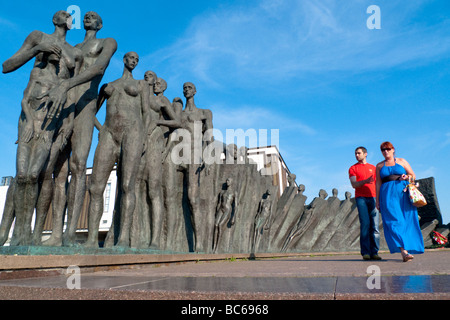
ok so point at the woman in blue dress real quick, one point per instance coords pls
(400, 218)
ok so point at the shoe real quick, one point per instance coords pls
(407, 257)
(366, 257)
(376, 257)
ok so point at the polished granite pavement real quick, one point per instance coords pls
(315, 277)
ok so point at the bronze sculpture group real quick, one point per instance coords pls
(55, 135)
(162, 204)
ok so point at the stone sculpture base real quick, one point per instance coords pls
(31, 262)
(77, 250)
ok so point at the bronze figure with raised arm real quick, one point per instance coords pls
(55, 61)
(97, 54)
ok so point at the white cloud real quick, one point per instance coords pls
(284, 39)
(7, 23)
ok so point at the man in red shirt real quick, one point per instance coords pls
(362, 177)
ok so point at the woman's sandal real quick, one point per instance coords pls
(407, 257)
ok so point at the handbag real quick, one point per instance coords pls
(438, 238)
(416, 197)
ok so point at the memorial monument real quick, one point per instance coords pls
(180, 190)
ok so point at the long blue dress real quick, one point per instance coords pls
(400, 218)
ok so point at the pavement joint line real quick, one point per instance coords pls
(138, 283)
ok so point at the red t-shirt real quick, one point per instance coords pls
(361, 172)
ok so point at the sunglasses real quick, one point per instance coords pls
(386, 149)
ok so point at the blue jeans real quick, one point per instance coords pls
(369, 220)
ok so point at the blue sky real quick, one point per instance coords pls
(310, 68)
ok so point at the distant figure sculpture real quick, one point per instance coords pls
(314, 209)
(323, 194)
(243, 155)
(121, 137)
(262, 219)
(291, 179)
(159, 87)
(56, 60)
(225, 211)
(170, 115)
(301, 189)
(150, 169)
(335, 192)
(170, 120)
(96, 57)
(348, 195)
(191, 117)
(231, 154)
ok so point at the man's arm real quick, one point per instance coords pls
(358, 184)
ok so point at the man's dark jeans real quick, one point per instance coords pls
(369, 219)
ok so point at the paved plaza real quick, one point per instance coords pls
(332, 276)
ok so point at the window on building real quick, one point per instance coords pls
(107, 196)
